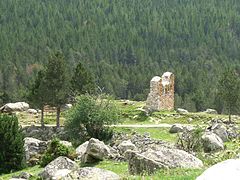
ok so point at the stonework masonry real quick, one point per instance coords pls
(161, 96)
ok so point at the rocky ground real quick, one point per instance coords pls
(160, 145)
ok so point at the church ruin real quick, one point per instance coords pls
(161, 96)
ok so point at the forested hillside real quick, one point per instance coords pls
(124, 43)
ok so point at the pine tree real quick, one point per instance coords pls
(12, 154)
(229, 89)
(37, 94)
(57, 83)
(82, 81)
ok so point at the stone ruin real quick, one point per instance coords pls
(161, 96)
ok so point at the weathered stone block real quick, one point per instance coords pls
(161, 96)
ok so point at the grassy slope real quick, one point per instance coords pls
(121, 168)
(131, 115)
(156, 133)
(32, 170)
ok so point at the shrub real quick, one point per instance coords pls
(89, 118)
(190, 140)
(55, 150)
(12, 154)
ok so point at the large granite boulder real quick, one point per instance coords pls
(126, 145)
(96, 150)
(140, 164)
(176, 128)
(81, 149)
(226, 170)
(211, 142)
(152, 160)
(221, 131)
(33, 149)
(13, 107)
(93, 173)
(58, 169)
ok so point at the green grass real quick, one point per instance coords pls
(130, 114)
(32, 170)
(121, 168)
(156, 133)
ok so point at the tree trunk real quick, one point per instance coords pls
(58, 116)
(42, 116)
(229, 115)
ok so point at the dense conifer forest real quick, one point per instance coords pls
(124, 43)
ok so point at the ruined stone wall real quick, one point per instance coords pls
(167, 91)
(161, 96)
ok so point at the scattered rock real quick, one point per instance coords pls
(93, 173)
(163, 157)
(58, 168)
(66, 106)
(81, 149)
(13, 107)
(176, 128)
(127, 102)
(96, 150)
(32, 111)
(126, 145)
(190, 120)
(23, 175)
(34, 147)
(182, 111)
(211, 111)
(143, 111)
(45, 133)
(140, 164)
(211, 142)
(221, 131)
(233, 131)
(142, 142)
(226, 170)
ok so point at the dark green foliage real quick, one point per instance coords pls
(56, 82)
(229, 90)
(124, 43)
(82, 81)
(55, 79)
(55, 150)
(190, 140)
(37, 93)
(12, 154)
(37, 90)
(89, 117)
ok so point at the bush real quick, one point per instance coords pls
(55, 150)
(190, 140)
(89, 117)
(12, 154)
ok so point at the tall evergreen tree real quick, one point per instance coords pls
(12, 155)
(82, 81)
(56, 82)
(37, 94)
(229, 90)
